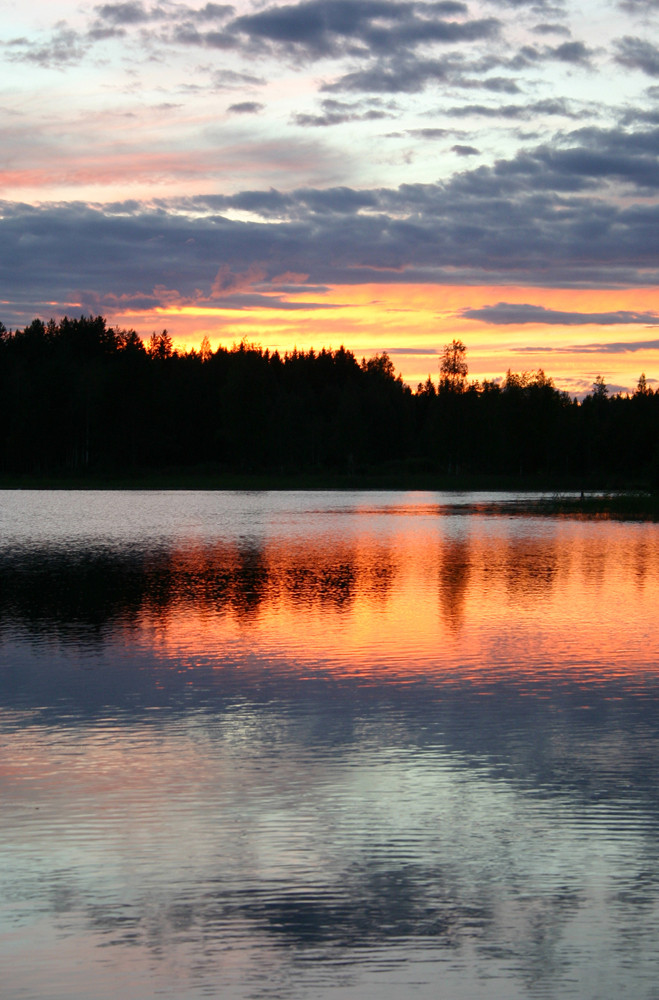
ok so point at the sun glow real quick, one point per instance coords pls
(413, 322)
(426, 603)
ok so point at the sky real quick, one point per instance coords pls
(383, 174)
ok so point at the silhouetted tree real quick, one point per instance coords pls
(453, 367)
(81, 395)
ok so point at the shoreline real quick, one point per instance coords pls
(202, 478)
(178, 479)
(565, 496)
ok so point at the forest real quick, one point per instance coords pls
(81, 397)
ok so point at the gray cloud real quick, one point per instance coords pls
(616, 348)
(543, 217)
(584, 159)
(636, 53)
(308, 30)
(508, 313)
(522, 112)
(246, 108)
(553, 8)
(551, 29)
(213, 12)
(228, 79)
(568, 52)
(639, 7)
(403, 73)
(65, 46)
(430, 133)
(125, 13)
(317, 28)
(335, 112)
(465, 150)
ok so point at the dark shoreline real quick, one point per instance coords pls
(564, 496)
(191, 479)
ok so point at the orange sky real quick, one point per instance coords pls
(373, 318)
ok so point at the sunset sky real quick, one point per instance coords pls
(382, 174)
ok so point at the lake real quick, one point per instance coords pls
(329, 745)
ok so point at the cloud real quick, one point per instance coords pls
(63, 47)
(465, 150)
(575, 52)
(639, 7)
(521, 112)
(430, 133)
(585, 158)
(637, 53)
(542, 217)
(551, 29)
(417, 352)
(246, 108)
(229, 79)
(507, 313)
(213, 12)
(403, 73)
(331, 28)
(628, 347)
(338, 112)
(123, 13)
(619, 348)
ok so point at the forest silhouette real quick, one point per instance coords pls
(82, 397)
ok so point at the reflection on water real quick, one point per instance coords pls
(323, 745)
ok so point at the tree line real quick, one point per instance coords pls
(81, 396)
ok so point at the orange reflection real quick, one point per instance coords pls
(419, 603)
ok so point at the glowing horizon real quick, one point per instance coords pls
(306, 174)
(372, 319)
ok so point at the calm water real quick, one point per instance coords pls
(326, 745)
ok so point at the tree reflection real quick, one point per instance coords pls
(454, 575)
(80, 595)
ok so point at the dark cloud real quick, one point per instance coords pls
(636, 53)
(65, 46)
(636, 116)
(545, 9)
(497, 84)
(405, 74)
(585, 159)
(246, 108)
(398, 76)
(542, 217)
(228, 79)
(321, 28)
(136, 13)
(412, 352)
(338, 112)
(213, 12)
(303, 31)
(189, 34)
(551, 29)
(568, 52)
(465, 150)
(616, 348)
(640, 7)
(430, 133)
(124, 13)
(619, 348)
(522, 112)
(571, 52)
(507, 313)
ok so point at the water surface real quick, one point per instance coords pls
(333, 745)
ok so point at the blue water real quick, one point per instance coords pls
(326, 745)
